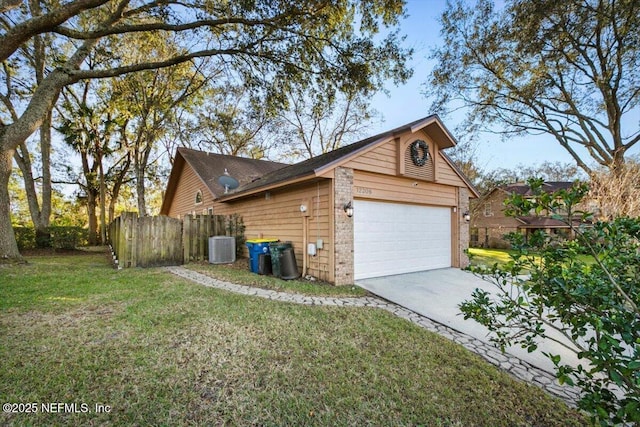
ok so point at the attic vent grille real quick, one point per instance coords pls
(222, 250)
(422, 172)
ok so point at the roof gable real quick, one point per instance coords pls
(432, 125)
(210, 166)
(547, 187)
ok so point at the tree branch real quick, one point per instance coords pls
(16, 36)
(161, 26)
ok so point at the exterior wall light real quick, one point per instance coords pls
(466, 216)
(348, 209)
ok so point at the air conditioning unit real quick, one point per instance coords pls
(222, 250)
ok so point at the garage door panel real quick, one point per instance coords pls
(392, 238)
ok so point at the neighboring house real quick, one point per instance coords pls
(406, 198)
(489, 224)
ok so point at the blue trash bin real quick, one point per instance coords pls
(257, 247)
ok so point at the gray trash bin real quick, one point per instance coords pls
(276, 249)
(264, 264)
(289, 267)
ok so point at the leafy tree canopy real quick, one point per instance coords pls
(270, 46)
(567, 68)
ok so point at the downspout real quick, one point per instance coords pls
(305, 227)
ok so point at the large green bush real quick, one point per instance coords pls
(60, 237)
(25, 237)
(593, 301)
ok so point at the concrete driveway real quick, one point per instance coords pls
(436, 294)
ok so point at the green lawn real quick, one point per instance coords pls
(488, 257)
(240, 273)
(159, 350)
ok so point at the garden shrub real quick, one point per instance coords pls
(593, 301)
(59, 237)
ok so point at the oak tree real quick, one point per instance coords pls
(567, 69)
(270, 46)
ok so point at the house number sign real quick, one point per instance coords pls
(363, 190)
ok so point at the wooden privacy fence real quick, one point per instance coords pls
(160, 240)
(197, 230)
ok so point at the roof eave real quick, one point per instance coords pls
(444, 138)
(261, 189)
(539, 226)
(433, 119)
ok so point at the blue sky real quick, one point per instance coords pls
(406, 103)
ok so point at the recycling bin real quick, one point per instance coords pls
(257, 247)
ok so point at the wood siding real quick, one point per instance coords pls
(393, 158)
(445, 173)
(426, 172)
(405, 190)
(185, 196)
(381, 160)
(278, 216)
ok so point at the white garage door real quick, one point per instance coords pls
(392, 238)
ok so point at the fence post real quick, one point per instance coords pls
(186, 238)
(130, 220)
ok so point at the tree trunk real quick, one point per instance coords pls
(8, 244)
(111, 211)
(103, 204)
(23, 159)
(45, 148)
(139, 165)
(142, 205)
(40, 213)
(619, 163)
(117, 185)
(11, 137)
(43, 214)
(93, 219)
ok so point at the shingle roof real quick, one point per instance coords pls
(548, 187)
(210, 167)
(255, 174)
(310, 166)
(541, 222)
(546, 222)
(305, 167)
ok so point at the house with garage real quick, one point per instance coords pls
(389, 204)
(489, 223)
